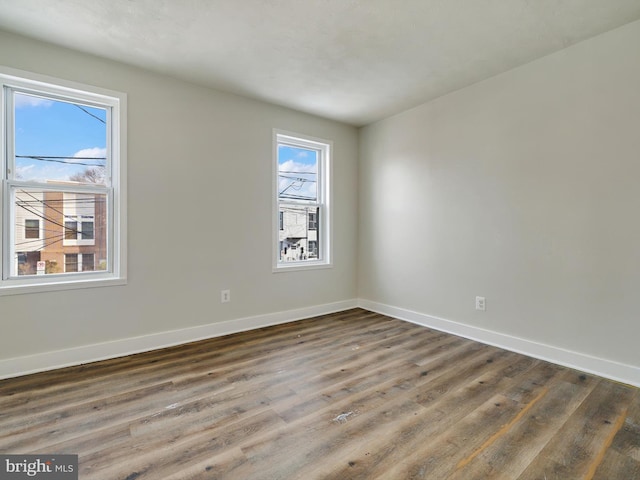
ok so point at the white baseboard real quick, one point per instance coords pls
(599, 366)
(17, 366)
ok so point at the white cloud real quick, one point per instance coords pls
(43, 173)
(23, 171)
(22, 100)
(95, 152)
(293, 166)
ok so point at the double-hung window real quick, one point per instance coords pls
(302, 202)
(62, 194)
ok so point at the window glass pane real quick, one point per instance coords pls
(297, 173)
(59, 141)
(72, 223)
(297, 241)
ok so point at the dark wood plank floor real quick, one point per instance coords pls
(353, 395)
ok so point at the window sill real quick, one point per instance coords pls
(297, 266)
(31, 287)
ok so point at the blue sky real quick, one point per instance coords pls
(45, 127)
(298, 171)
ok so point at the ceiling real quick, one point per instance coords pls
(355, 61)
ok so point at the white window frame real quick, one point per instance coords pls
(324, 202)
(115, 188)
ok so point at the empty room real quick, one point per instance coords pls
(320, 239)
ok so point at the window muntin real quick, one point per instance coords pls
(301, 202)
(62, 166)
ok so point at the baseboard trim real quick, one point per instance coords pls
(25, 365)
(612, 370)
(17, 366)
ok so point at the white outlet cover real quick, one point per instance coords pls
(225, 296)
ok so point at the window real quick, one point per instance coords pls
(79, 262)
(70, 230)
(313, 249)
(86, 230)
(88, 262)
(32, 229)
(70, 262)
(62, 184)
(313, 221)
(301, 202)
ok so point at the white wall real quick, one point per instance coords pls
(524, 189)
(199, 164)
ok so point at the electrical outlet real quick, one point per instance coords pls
(225, 296)
(481, 303)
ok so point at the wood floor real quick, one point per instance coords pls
(354, 395)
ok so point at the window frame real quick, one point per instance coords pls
(323, 202)
(115, 189)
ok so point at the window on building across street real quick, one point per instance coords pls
(62, 190)
(313, 221)
(86, 231)
(31, 228)
(87, 262)
(70, 262)
(301, 202)
(70, 230)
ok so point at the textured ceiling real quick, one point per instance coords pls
(355, 61)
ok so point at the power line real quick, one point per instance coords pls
(89, 113)
(42, 202)
(37, 214)
(44, 158)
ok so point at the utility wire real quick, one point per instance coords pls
(63, 160)
(89, 113)
(44, 203)
(37, 214)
